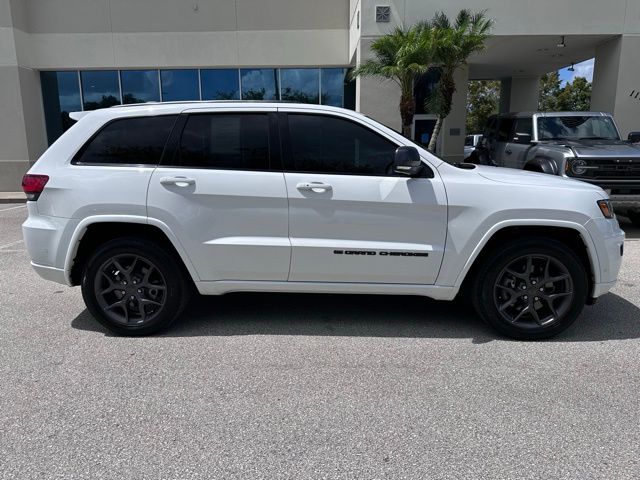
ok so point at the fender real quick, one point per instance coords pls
(81, 228)
(581, 229)
(542, 164)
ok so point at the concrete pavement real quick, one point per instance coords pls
(304, 386)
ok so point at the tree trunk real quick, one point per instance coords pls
(407, 111)
(434, 135)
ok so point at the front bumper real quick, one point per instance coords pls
(608, 239)
(623, 202)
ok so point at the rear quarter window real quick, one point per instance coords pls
(127, 141)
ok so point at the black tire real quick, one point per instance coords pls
(138, 270)
(500, 296)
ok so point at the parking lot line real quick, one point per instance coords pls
(12, 208)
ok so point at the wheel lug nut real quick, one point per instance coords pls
(139, 290)
(542, 289)
(536, 299)
(132, 297)
(526, 297)
(533, 283)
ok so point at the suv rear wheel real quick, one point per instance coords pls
(133, 287)
(531, 290)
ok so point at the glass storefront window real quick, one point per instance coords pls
(139, 86)
(179, 85)
(68, 91)
(100, 89)
(259, 83)
(332, 81)
(220, 84)
(300, 85)
(60, 96)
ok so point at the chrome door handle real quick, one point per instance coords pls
(318, 187)
(178, 181)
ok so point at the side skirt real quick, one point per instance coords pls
(431, 291)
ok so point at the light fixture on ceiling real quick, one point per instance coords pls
(562, 44)
(571, 68)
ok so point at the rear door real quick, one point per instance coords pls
(501, 150)
(516, 153)
(350, 218)
(221, 190)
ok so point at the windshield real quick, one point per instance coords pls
(576, 128)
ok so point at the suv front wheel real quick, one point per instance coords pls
(134, 287)
(532, 289)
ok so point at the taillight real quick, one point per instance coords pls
(32, 185)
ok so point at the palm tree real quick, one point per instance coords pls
(401, 56)
(453, 45)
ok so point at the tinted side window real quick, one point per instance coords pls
(505, 128)
(238, 141)
(524, 126)
(325, 144)
(137, 141)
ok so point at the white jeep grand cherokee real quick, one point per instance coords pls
(139, 204)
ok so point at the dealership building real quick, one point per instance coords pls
(60, 56)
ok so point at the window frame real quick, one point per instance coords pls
(75, 160)
(287, 156)
(170, 156)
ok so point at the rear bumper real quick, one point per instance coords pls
(47, 240)
(52, 274)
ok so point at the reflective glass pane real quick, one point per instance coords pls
(139, 86)
(259, 84)
(179, 85)
(60, 95)
(300, 85)
(324, 144)
(133, 141)
(220, 84)
(100, 89)
(226, 141)
(332, 81)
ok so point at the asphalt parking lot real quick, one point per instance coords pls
(302, 386)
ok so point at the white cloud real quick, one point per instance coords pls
(582, 69)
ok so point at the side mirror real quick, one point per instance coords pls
(523, 138)
(634, 137)
(407, 161)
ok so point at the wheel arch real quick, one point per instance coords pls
(574, 236)
(542, 165)
(94, 231)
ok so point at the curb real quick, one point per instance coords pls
(12, 197)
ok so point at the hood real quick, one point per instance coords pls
(522, 177)
(600, 148)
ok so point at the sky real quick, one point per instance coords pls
(583, 69)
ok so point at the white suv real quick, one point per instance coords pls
(139, 204)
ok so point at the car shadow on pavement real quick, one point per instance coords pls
(612, 318)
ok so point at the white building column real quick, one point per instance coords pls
(616, 81)
(22, 130)
(519, 94)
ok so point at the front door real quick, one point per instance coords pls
(350, 218)
(221, 197)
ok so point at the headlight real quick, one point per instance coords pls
(579, 167)
(606, 208)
